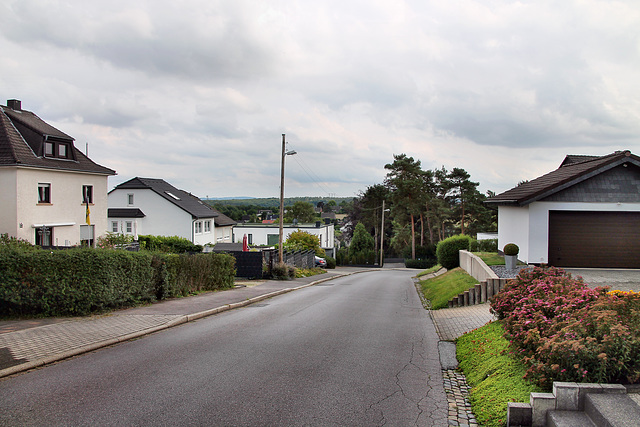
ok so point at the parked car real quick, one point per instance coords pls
(321, 262)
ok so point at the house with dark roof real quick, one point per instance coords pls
(51, 194)
(155, 207)
(586, 213)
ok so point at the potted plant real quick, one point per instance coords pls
(511, 251)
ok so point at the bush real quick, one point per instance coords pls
(422, 264)
(331, 262)
(172, 244)
(283, 272)
(511, 249)
(82, 281)
(568, 332)
(486, 245)
(447, 250)
(422, 252)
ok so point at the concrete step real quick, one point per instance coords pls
(612, 410)
(569, 419)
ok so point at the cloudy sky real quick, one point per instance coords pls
(199, 92)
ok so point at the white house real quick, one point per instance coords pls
(153, 206)
(51, 194)
(586, 213)
(268, 234)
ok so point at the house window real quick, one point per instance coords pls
(130, 199)
(114, 226)
(207, 226)
(44, 193)
(44, 236)
(129, 226)
(63, 150)
(198, 227)
(48, 149)
(87, 194)
(250, 239)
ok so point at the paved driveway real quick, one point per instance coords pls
(623, 280)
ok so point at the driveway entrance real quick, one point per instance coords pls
(616, 279)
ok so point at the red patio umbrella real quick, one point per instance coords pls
(245, 245)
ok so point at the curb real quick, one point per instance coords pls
(175, 322)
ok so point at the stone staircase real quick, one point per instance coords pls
(579, 405)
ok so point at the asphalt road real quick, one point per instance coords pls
(359, 350)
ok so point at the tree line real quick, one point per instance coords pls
(424, 207)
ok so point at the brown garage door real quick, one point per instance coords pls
(594, 239)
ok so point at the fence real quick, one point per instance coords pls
(479, 294)
(300, 259)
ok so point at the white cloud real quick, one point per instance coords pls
(199, 92)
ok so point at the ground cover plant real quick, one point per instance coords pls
(429, 270)
(440, 289)
(494, 372)
(565, 331)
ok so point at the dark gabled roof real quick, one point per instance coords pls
(222, 220)
(185, 201)
(574, 169)
(22, 134)
(125, 213)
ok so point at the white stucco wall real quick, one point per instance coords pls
(8, 202)
(513, 227)
(66, 205)
(223, 234)
(163, 218)
(528, 226)
(259, 233)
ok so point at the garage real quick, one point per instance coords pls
(594, 239)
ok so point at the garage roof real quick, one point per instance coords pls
(574, 169)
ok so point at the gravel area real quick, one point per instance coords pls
(503, 273)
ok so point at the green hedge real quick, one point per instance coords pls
(172, 244)
(447, 250)
(79, 281)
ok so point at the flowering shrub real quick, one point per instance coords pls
(566, 331)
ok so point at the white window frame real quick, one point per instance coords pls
(197, 227)
(207, 226)
(130, 199)
(44, 192)
(114, 226)
(128, 226)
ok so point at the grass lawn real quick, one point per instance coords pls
(439, 290)
(430, 270)
(490, 258)
(493, 372)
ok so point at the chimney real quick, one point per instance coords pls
(14, 104)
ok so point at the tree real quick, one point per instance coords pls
(404, 181)
(362, 244)
(301, 240)
(302, 211)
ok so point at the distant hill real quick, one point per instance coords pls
(273, 202)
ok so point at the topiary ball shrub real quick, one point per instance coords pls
(447, 250)
(511, 249)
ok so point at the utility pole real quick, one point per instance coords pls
(280, 255)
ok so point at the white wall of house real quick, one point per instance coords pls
(513, 227)
(258, 233)
(66, 212)
(528, 226)
(163, 218)
(223, 234)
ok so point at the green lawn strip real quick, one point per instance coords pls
(490, 258)
(439, 290)
(494, 374)
(429, 271)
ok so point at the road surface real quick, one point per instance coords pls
(358, 350)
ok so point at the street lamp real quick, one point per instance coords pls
(382, 235)
(284, 153)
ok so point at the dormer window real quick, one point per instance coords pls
(57, 149)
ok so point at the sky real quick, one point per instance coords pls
(199, 92)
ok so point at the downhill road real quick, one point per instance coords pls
(358, 350)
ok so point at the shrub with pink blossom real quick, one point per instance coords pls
(566, 331)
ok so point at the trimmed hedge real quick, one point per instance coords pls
(82, 281)
(172, 244)
(447, 250)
